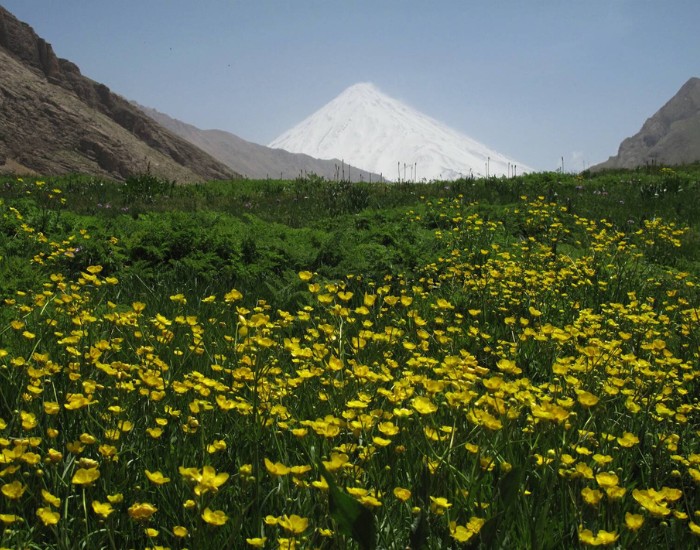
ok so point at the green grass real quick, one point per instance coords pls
(502, 363)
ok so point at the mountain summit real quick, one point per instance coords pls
(670, 136)
(369, 129)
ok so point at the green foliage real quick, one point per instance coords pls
(146, 188)
(420, 338)
(353, 519)
(254, 234)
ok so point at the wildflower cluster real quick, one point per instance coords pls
(551, 370)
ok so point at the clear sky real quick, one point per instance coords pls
(537, 80)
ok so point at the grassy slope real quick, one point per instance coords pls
(532, 329)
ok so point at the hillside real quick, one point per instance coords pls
(257, 161)
(54, 120)
(671, 136)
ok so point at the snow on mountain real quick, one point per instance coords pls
(368, 129)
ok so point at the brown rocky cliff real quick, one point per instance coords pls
(36, 55)
(671, 136)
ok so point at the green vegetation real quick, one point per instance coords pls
(500, 363)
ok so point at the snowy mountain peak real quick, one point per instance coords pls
(366, 128)
(361, 88)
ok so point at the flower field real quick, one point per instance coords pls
(527, 388)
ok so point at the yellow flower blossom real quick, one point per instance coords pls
(210, 480)
(157, 478)
(627, 440)
(102, 509)
(214, 517)
(85, 476)
(591, 496)
(602, 538)
(141, 511)
(276, 468)
(652, 501)
(8, 519)
(48, 516)
(464, 533)
(48, 498)
(438, 505)
(232, 296)
(587, 399)
(607, 479)
(633, 521)
(294, 524)
(424, 405)
(13, 490)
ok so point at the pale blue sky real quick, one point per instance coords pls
(536, 80)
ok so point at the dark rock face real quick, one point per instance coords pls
(53, 119)
(671, 136)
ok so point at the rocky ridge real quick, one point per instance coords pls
(258, 161)
(670, 137)
(54, 120)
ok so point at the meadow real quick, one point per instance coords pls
(495, 363)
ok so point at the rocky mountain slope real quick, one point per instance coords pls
(369, 129)
(54, 120)
(671, 136)
(257, 161)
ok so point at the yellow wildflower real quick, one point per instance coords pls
(217, 517)
(587, 399)
(209, 480)
(157, 478)
(602, 538)
(276, 468)
(85, 476)
(438, 505)
(50, 499)
(232, 295)
(627, 440)
(633, 521)
(13, 490)
(463, 533)
(48, 516)
(591, 496)
(9, 519)
(102, 509)
(424, 405)
(607, 479)
(294, 524)
(141, 511)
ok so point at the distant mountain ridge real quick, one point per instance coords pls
(54, 120)
(671, 136)
(256, 161)
(367, 128)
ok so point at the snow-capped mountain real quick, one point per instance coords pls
(368, 129)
